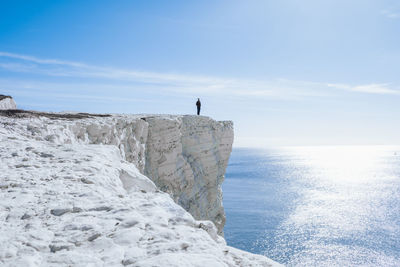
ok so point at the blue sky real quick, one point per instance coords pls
(290, 72)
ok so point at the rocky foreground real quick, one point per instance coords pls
(73, 191)
(7, 102)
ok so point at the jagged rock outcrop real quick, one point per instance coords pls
(7, 102)
(185, 156)
(66, 201)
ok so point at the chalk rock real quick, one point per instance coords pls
(120, 217)
(7, 102)
(185, 156)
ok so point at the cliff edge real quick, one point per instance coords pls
(185, 156)
(73, 190)
(7, 102)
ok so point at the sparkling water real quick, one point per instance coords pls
(316, 206)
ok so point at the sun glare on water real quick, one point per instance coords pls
(346, 208)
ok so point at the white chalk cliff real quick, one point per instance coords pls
(187, 156)
(75, 190)
(7, 102)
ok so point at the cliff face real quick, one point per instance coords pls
(185, 156)
(70, 195)
(7, 102)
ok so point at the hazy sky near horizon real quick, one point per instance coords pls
(290, 72)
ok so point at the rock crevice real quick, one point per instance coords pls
(185, 156)
(7, 102)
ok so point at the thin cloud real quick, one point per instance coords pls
(375, 89)
(382, 89)
(391, 13)
(46, 66)
(123, 79)
(41, 61)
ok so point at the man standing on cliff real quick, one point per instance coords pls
(198, 104)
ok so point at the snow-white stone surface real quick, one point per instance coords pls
(68, 199)
(185, 156)
(7, 103)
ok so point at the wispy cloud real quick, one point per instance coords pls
(110, 78)
(42, 61)
(382, 89)
(57, 67)
(392, 13)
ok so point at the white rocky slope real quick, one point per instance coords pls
(66, 201)
(6, 102)
(185, 156)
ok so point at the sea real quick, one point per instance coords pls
(315, 206)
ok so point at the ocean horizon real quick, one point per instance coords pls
(315, 206)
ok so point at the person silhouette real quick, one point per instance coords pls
(198, 104)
